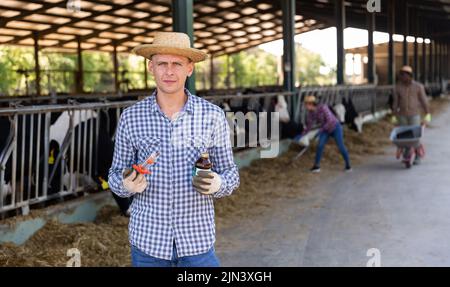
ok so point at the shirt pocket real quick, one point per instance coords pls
(193, 150)
(147, 146)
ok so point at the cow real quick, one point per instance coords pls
(288, 127)
(351, 113)
(97, 159)
(108, 125)
(340, 112)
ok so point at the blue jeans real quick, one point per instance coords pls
(141, 259)
(338, 135)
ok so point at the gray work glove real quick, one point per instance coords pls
(133, 181)
(207, 182)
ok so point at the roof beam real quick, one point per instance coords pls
(73, 21)
(24, 13)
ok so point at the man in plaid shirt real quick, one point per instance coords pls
(172, 215)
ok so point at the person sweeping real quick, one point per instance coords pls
(321, 116)
(159, 139)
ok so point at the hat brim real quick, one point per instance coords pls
(407, 72)
(148, 50)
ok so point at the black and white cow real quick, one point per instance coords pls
(98, 159)
(351, 113)
(58, 163)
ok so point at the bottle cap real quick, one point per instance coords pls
(205, 154)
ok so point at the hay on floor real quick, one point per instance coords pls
(105, 241)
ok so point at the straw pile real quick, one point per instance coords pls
(105, 241)
(269, 179)
(101, 243)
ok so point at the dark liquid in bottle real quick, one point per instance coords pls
(203, 163)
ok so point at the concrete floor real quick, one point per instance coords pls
(405, 214)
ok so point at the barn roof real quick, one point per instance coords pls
(221, 27)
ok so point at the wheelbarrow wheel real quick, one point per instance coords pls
(409, 159)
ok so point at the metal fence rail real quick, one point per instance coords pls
(25, 176)
(30, 173)
(365, 99)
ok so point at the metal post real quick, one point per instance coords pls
(228, 80)
(446, 60)
(340, 26)
(424, 61)
(440, 62)
(288, 12)
(211, 73)
(37, 68)
(447, 63)
(436, 61)
(288, 16)
(46, 153)
(145, 74)
(416, 58)
(182, 18)
(391, 28)
(38, 149)
(79, 84)
(371, 49)
(116, 70)
(14, 162)
(431, 63)
(405, 35)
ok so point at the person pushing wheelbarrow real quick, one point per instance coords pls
(408, 101)
(329, 126)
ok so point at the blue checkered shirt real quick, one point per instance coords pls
(170, 209)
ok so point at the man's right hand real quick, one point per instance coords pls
(134, 182)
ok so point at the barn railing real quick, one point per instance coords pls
(365, 99)
(32, 171)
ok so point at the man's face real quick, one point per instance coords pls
(405, 77)
(310, 107)
(170, 72)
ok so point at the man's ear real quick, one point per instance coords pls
(190, 68)
(150, 66)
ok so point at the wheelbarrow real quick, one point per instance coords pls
(407, 139)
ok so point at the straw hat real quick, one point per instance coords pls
(170, 43)
(310, 99)
(407, 69)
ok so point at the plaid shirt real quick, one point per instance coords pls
(170, 209)
(323, 117)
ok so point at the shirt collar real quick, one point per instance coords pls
(188, 106)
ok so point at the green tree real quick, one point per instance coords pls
(15, 63)
(253, 67)
(308, 67)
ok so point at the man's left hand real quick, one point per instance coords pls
(207, 182)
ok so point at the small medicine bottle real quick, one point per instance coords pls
(203, 163)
